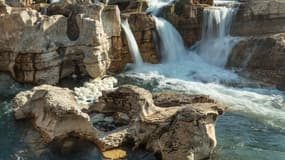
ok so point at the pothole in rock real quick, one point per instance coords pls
(109, 121)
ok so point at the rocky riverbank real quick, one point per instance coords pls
(128, 116)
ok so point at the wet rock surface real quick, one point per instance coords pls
(262, 57)
(124, 115)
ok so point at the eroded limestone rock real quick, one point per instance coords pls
(43, 49)
(183, 128)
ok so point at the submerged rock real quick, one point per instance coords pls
(177, 130)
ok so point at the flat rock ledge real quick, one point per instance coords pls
(173, 125)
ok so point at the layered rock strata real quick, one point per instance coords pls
(259, 17)
(43, 49)
(182, 128)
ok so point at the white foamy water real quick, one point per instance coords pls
(264, 105)
(91, 91)
(132, 43)
(216, 42)
(156, 5)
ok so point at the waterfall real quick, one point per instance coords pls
(216, 43)
(132, 43)
(171, 44)
(199, 70)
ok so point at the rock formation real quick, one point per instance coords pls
(73, 38)
(43, 49)
(259, 17)
(261, 56)
(182, 128)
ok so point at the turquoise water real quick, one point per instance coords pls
(242, 138)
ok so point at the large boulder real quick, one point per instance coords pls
(43, 49)
(182, 128)
(257, 17)
(57, 115)
(262, 57)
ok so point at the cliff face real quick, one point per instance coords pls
(259, 17)
(262, 55)
(43, 49)
(73, 38)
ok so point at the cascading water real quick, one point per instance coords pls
(255, 112)
(216, 42)
(132, 43)
(171, 43)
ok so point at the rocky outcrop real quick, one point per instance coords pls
(43, 49)
(182, 128)
(263, 57)
(57, 115)
(259, 17)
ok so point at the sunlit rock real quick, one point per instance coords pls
(43, 49)
(259, 17)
